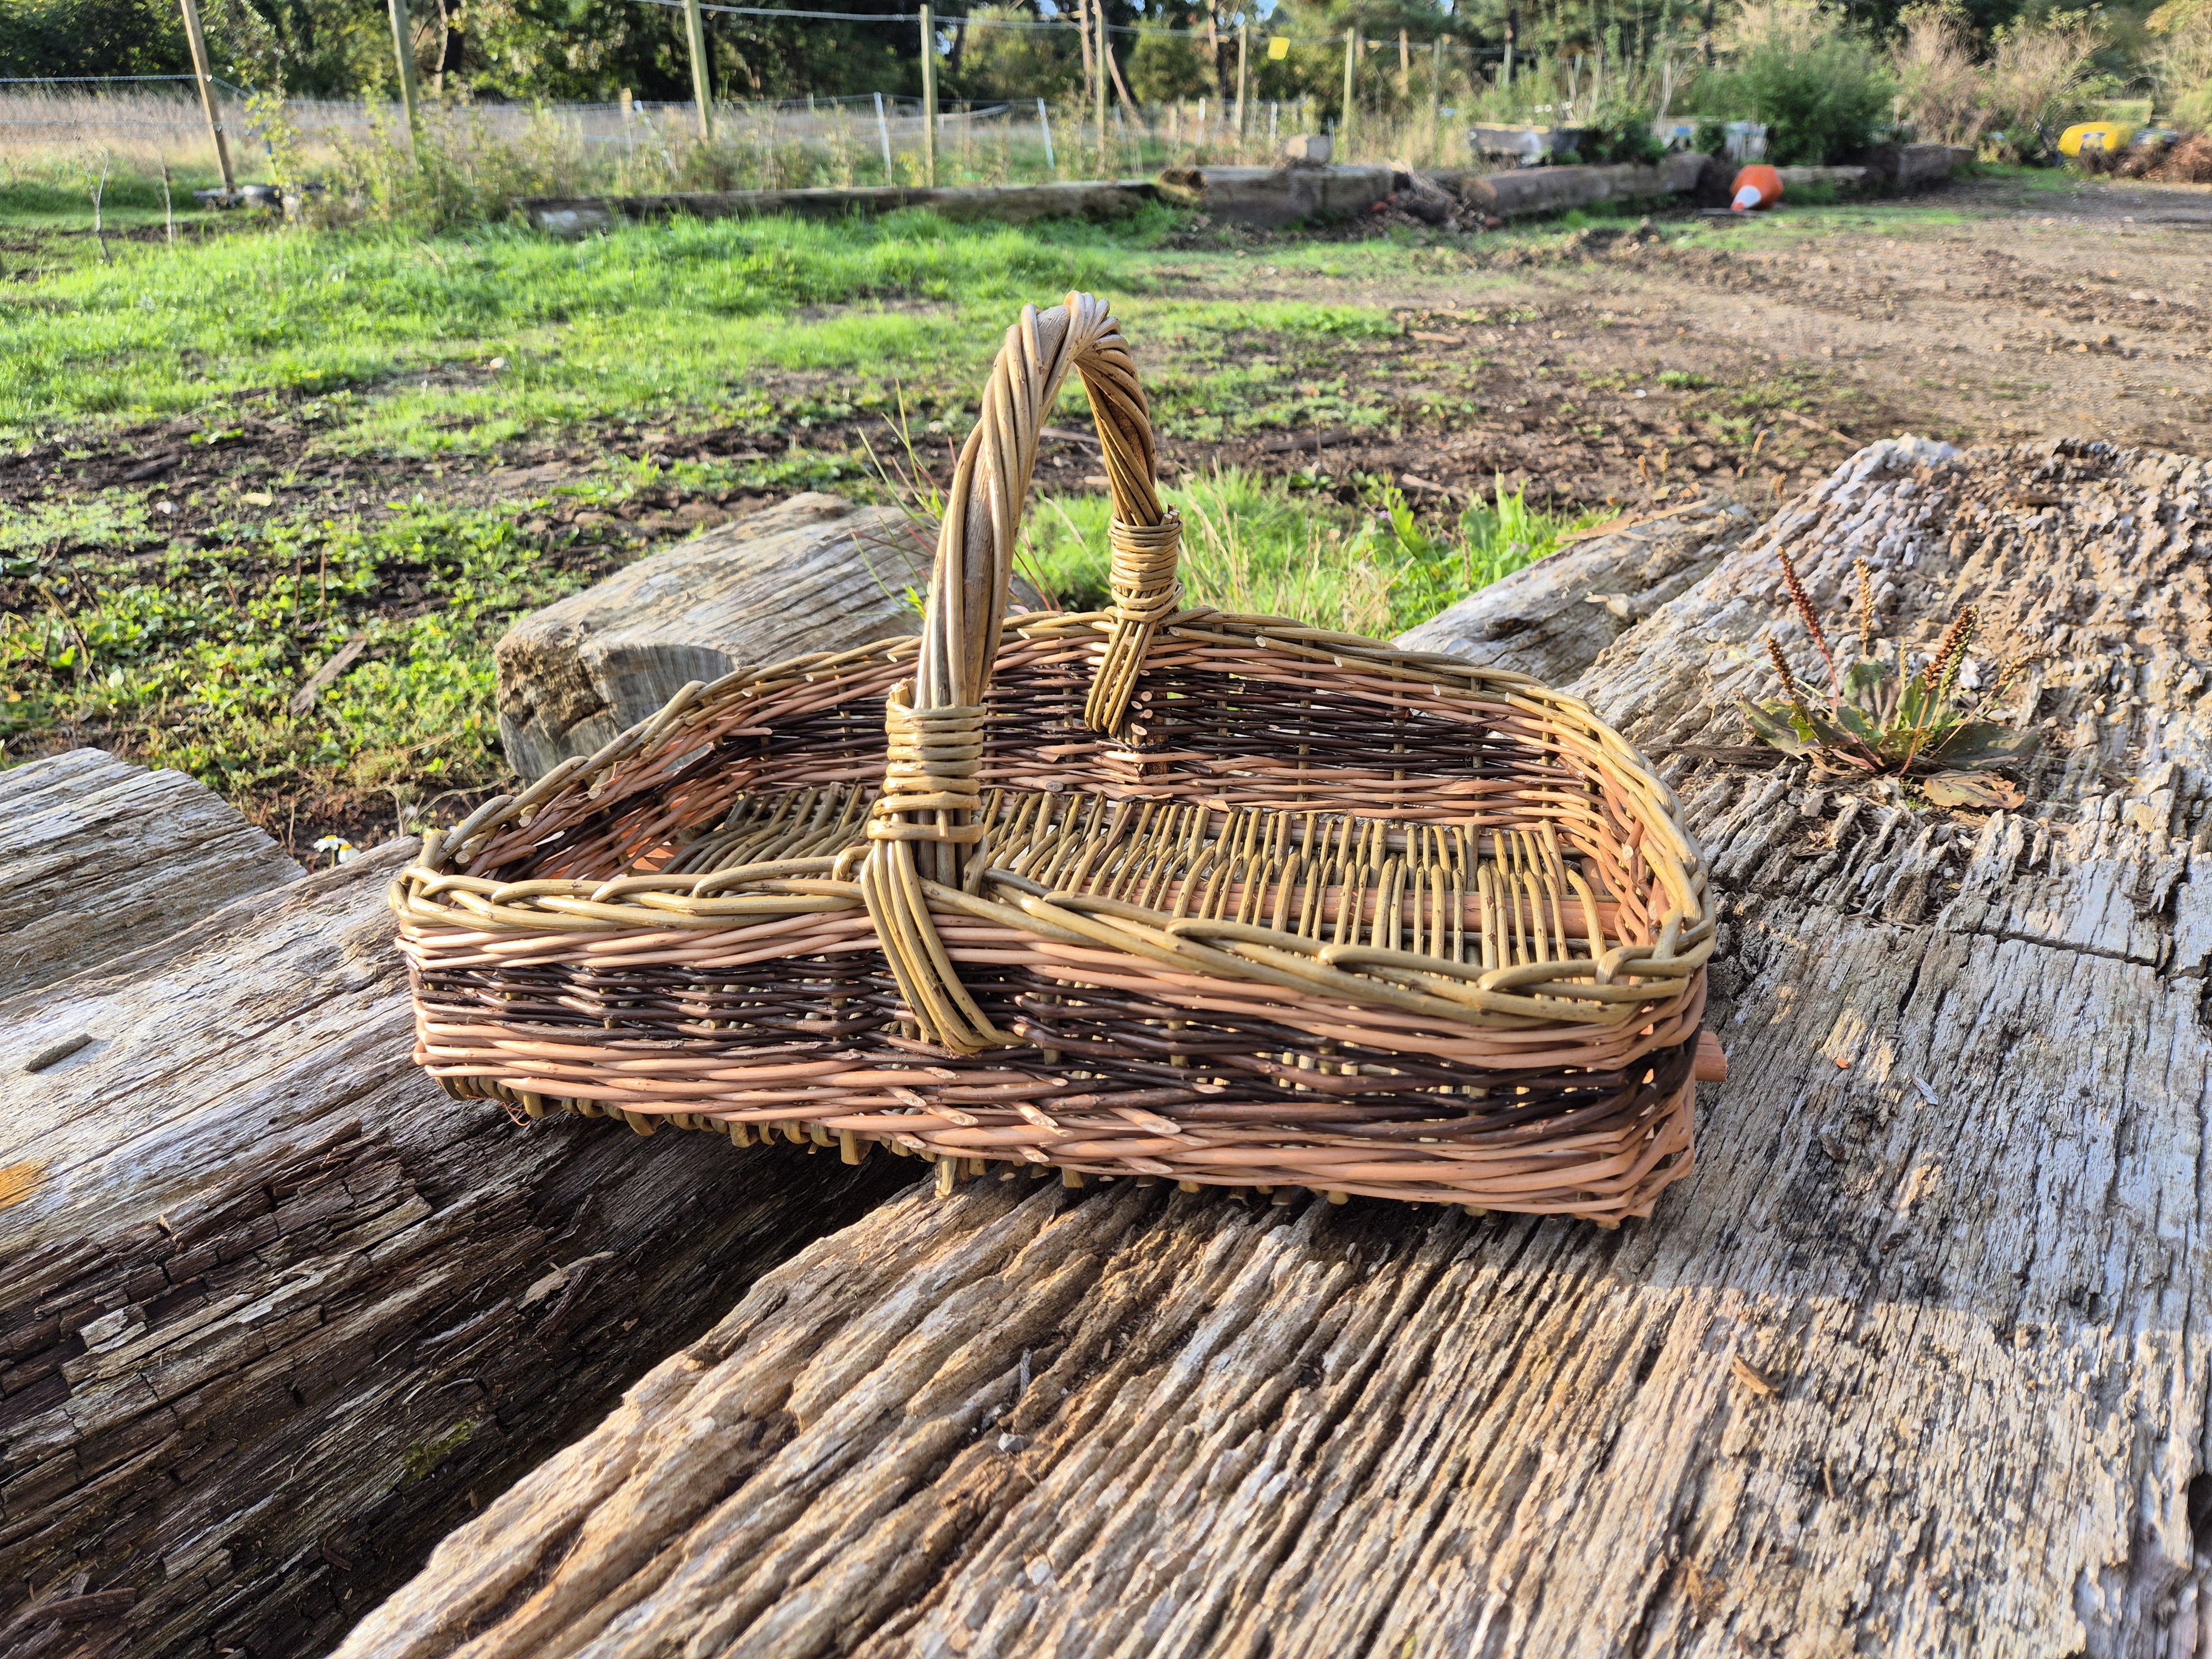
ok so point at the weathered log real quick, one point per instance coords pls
(98, 857)
(1284, 195)
(1913, 1363)
(815, 573)
(276, 1313)
(1018, 204)
(1554, 189)
(1552, 619)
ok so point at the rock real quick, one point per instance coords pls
(98, 857)
(813, 574)
(1912, 1364)
(1308, 149)
(1919, 166)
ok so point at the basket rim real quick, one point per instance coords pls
(701, 701)
(439, 905)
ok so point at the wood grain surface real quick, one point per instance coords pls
(1914, 1364)
(275, 1313)
(98, 857)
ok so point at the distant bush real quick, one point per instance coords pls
(1821, 88)
(1166, 67)
(2184, 63)
(1943, 94)
(1622, 134)
(2039, 77)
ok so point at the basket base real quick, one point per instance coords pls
(1605, 1176)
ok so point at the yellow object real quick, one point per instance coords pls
(1279, 47)
(2095, 136)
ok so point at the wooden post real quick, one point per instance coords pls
(198, 42)
(1044, 125)
(1244, 74)
(883, 133)
(402, 48)
(1436, 99)
(929, 98)
(1345, 122)
(1404, 66)
(1098, 7)
(702, 87)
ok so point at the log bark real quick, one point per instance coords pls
(98, 856)
(276, 1313)
(1018, 204)
(1552, 619)
(812, 574)
(1916, 1362)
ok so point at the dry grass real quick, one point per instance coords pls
(1943, 92)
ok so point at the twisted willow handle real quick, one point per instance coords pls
(935, 728)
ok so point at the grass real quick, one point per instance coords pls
(1260, 548)
(189, 659)
(363, 376)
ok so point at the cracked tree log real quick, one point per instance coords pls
(1915, 1362)
(98, 856)
(277, 1313)
(1552, 619)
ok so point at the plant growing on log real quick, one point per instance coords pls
(1880, 717)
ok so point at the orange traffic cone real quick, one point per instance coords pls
(1755, 187)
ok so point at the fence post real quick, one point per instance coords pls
(201, 73)
(403, 47)
(929, 98)
(1437, 91)
(1098, 7)
(1344, 125)
(1244, 74)
(883, 133)
(1044, 121)
(702, 88)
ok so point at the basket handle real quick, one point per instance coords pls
(973, 574)
(935, 727)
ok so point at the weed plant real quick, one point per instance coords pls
(1881, 717)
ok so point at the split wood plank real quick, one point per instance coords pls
(278, 1314)
(98, 857)
(1916, 1362)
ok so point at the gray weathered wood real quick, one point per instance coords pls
(1552, 619)
(813, 574)
(276, 1314)
(1019, 204)
(98, 856)
(1914, 1363)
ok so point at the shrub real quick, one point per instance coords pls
(1623, 133)
(2184, 61)
(1941, 90)
(2039, 76)
(1821, 90)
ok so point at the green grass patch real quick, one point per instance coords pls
(674, 313)
(189, 659)
(1259, 547)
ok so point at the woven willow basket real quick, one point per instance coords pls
(1148, 892)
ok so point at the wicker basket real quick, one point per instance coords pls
(1149, 892)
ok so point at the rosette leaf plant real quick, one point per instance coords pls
(1878, 716)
